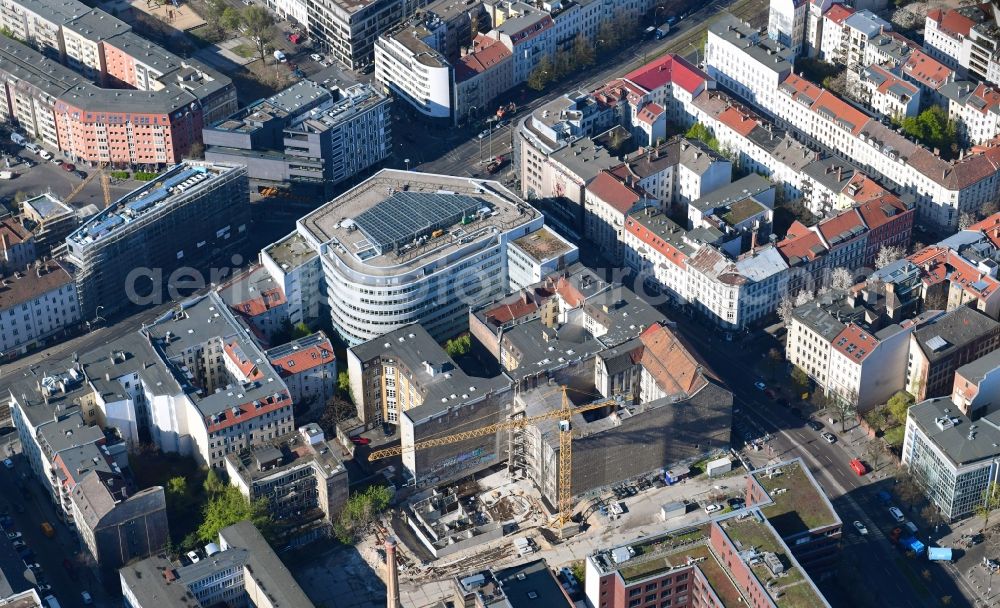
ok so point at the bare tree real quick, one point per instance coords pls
(845, 406)
(887, 255)
(907, 488)
(874, 450)
(991, 501)
(785, 307)
(841, 278)
(803, 297)
(932, 515)
(965, 220)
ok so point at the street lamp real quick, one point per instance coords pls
(407, 161)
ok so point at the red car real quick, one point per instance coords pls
(68, 166)
(361, 440)
(859, 467)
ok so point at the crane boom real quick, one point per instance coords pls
(509, 425)
(563, 414)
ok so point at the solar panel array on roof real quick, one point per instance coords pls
(406, 215)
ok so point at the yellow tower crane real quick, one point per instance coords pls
(105, 185)
(563, 414)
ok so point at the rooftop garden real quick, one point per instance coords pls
(800, 507)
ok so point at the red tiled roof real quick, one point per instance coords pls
(990, 227)
(249, 411)
(955, 22)
(674, 366)
(650, 112)
(487, 53)
(14, 231)
(248, 367)
(738, 121)
(606, 188)
(989, 95)
(510, 311)
(925, 69)
(855, 343)
(882, 210)
(304, 359)
(837, 225)
(891, 79)
(807, 246)
(797, 229)
(671, 253)
(844, 113)
(666, 70)
(838, 13)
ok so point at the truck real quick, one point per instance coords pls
(912, 544)
(48, 530)
(859, 467)
(496, 164)
(661, 32)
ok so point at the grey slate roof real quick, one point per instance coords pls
(953, 331)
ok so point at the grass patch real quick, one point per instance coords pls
(120, 174)
(800, 508)
(144, 176)
(798, 596)
(894, 436)
(245, 51)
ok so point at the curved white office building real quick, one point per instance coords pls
(405, 248)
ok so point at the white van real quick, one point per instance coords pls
(280, 56)
(897, 515)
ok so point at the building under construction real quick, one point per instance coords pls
(192, 216)
(678, 412)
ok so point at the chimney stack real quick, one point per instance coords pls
(392, 575)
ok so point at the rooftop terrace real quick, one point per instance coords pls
(399, 221)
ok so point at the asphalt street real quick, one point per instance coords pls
(901, 581)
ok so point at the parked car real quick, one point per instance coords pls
(830, 437)
(191, 555)
(760, 385)
(814, 425)
(484, 133)
(85, 596)
(316, 57)
(45, 154)
(69, 167)
(860, 527)
(248, 2)
(896, 514)
(359, 440)
(20, 544)
(7, 462)
(81, 174)
(13, 535)
(712, 508)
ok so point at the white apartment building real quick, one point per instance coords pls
(786, 23)
(975, 109)
(405, 248)
(296, 11)
(36, 304)
(943, 190)
(412, 69)
(295, 266)
(746, 63)
(535, 256)
(348, 30)
(888, 94)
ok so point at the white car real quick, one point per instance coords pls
(13, 535)
(191, 555)
(830, 438)
(316, 57)
(45, 154)
(7, 462)
(860, 527)
(248, 2)
(484, 133)
(760, 385)
(712, 508)
(85, 596)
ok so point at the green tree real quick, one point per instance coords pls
(301, 330)
(344, 385)
(898, 405)
(361, 509)
(229, 507)
(990, 503)
(214, 484)
(800, 379)
(934, 129)
(459, 346)
(215, 10)
(259, 28)
(230, 20)
(542, 75)
(563, 65)
(583, 52)
(701, 133)
(178, 495)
